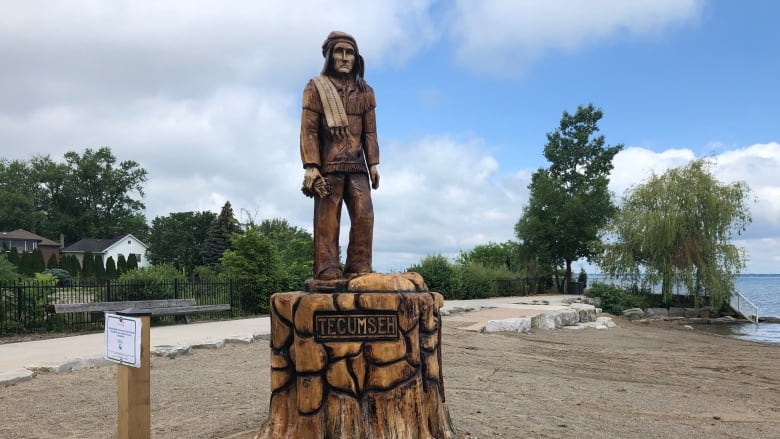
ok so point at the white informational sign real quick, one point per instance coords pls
(123, 340)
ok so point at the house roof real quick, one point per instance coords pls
(96, 245)
(24, 235)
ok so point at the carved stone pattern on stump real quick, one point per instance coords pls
(357, 389)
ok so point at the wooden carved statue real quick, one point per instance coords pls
(340, 153)
(358, 354)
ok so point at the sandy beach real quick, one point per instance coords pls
(634, 381)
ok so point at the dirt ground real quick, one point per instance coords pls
(633, 381)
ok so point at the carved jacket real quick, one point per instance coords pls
(347, 154)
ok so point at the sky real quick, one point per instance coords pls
(206, 96)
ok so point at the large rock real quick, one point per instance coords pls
(520, 324)
(570, 317)
(657, 312)
(549, 320)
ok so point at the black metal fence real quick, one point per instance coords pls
(24, 307)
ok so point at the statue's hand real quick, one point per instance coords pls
(315, 184)
(374, 174)
(310, 177)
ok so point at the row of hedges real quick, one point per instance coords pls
(615, 299)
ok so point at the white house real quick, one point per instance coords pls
(112, 247)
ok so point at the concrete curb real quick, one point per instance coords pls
(169, 351)
(69, 365)
(15, 376)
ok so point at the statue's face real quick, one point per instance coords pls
(342, 58)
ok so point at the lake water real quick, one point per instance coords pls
(764, 291)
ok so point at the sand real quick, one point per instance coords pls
(634, 381)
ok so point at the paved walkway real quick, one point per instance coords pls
(20, 361)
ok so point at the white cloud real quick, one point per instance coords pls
(118, 49)
(634, 165)
(756, 165)
(442, 195)
(501, 36)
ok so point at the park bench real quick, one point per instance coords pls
(167, 307)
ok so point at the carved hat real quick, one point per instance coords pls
(338, 37)
(342, 37)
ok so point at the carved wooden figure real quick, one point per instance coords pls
(362, 363)
(340, 153)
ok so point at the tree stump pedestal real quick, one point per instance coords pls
(362, 361)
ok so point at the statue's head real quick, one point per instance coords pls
(342, 56)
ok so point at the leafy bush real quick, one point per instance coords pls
(615, 299)
(150, 283)
(8, 271)
(475, 281)
(64, 279)
(46, 279)
(438, 273)
(204, 272)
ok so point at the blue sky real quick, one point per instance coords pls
(206, 96)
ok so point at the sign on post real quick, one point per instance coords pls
(123, 340)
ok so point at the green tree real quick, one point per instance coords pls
(73, 266)
(98, 267)
(505, 255)
(8, 271)
(88, 265)
(77, 264)
(18, 196)
(111, 272)
(219, 235)
(14, 257)
(65, 264)
(89, 195)
(37, 264)
(438, 273)
(55, 197)
(53, 261)
(121, 264)
(295, 248)
(570, 201)
(179, 239)
(676, 229)
(254, 256)
(132, 262)
(26, 264)
(108, 193)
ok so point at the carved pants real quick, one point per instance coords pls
(355, 191)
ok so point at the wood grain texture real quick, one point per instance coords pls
(358, 388)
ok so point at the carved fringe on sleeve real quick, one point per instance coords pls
(362, 103)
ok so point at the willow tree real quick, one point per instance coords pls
(570, 201)
(676, 229)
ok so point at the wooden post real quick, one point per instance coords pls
(134, 390)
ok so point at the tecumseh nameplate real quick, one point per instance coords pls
(355, 326)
